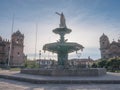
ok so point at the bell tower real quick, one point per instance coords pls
(104, 45)
(18, 38)
(17, 54)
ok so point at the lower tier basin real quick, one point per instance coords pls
(66, 72)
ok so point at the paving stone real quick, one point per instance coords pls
(110, 78)
(15, 85)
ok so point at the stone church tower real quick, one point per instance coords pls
(104, 45)
(107, 49)
(17, 55)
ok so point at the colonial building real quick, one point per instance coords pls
(84, 62)
(4, 50)
(17, 57)
(45, 63)
(107, 49)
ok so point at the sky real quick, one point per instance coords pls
(88, 19)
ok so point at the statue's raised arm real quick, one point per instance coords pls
(62, 20)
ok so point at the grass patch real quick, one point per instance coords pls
(15, 69)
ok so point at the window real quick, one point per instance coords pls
(103, 51)
(18, 54)
(17, 40)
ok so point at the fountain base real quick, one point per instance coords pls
(66, 72)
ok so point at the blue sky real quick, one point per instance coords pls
(88, 19)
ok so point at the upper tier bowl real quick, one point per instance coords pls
(62, 31)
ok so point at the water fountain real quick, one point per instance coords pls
(62, 48)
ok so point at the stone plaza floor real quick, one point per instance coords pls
(6, 84)
(108, 76)
(15, 85)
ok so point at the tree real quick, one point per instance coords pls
(31, 64)
(113, 64)
(102, 64)
(94, 65)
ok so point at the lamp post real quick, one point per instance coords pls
(39, 57)
(79, 55)
(79, 62)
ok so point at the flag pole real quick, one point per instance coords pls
(10, 50)
(36, 41)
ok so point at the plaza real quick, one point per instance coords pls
(15, 85)
(33, 57)
(109, 78)
(12, 84)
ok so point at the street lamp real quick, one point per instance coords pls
(79, 55)
(39, 57)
